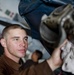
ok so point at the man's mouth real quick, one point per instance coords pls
(22, 50)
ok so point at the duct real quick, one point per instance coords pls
(51, 28)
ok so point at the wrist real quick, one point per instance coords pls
(51, 64)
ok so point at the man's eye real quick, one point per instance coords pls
(26, 39)
(16, 39)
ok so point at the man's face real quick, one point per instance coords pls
(68, 57)
(16, 43)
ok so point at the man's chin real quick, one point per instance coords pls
(22, 55)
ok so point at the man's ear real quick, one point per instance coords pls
(3, 42)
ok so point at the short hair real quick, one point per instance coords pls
(11, 26)
(39, 53)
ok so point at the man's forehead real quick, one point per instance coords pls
(17, 32)
(16, 29)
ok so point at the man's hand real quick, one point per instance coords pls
(55, 60)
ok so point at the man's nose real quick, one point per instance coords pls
(23, 43)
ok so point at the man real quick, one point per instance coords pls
(36, 55)
(15, 42)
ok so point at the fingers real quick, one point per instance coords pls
(63, 43)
